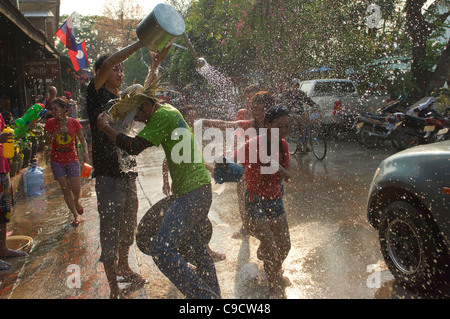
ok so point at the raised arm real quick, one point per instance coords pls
(113, 60)
(220, 124)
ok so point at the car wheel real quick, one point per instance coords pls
(412, 247)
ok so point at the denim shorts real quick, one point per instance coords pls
(117, 205)
(261, 207)
(67, 170)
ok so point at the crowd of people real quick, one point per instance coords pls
(63, 132)
(113, 158)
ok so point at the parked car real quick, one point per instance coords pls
(376, 100)
(409, 205)
(330, 94)
(327, 92)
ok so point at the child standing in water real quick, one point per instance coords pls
(267, 217)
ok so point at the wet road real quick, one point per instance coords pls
(332, 243)
(335, 252)
(333, 255)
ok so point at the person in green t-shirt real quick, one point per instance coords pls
(191, 184)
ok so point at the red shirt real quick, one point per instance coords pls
(63, 148)
(260, 182)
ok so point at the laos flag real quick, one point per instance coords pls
(79, 57)
(66, 34)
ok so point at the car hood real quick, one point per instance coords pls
(440, 148)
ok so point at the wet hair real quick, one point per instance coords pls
(252, 88)
(275, 113)
(265, 98)
(98, 64)
(61, 102)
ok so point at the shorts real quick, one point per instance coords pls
(5, 198)
(117, 205)
(261, 207)
(67, 170)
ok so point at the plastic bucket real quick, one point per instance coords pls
(150, 223)
(86, 170)
(160, 28)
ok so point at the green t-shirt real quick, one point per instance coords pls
(168, 128)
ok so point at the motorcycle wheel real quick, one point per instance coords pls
(394, 140)
(368, 140)
(406, 138)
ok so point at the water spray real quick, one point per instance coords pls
(200, 62)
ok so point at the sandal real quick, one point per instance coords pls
(75, 223)
(134, 278)
(4, 265)
(15, 253)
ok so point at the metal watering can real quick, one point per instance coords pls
(161, 28)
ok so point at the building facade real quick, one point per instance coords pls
(29, 62)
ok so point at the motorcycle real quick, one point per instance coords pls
(421, 125)
(373, 128)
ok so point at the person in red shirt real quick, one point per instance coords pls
(61, 133)
(257, 103)
(264, 173)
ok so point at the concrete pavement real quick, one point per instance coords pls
(63, 261)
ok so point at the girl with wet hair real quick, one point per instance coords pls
(61, 132)
(265, 208)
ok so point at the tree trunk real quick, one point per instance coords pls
(418, 30)
(442, 72)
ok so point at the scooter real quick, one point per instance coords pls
(373, 128)
(420, 125)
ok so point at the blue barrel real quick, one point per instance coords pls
(34, 180)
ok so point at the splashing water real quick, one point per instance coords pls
(222, 86)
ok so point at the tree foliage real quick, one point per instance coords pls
(272, 41)
(281, 39)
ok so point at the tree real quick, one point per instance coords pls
(419, 29)
(106, 34)
(118, 25)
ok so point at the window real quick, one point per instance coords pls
(334, 87)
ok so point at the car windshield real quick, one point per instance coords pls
(334, 87)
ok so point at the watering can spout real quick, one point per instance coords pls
(199, 62)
